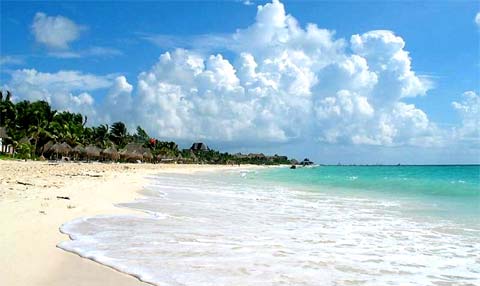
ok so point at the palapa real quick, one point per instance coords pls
(47, 146)
(92, 152)
(79, 152)
(147, 155)
(60, 149)
(111, 153)
(66, 149)
(131, 156)
(133, 152)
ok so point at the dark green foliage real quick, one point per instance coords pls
(99, 136)
(24, 151)
(7, 111)
(119, 134)
(141, 136)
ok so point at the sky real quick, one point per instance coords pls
(336, 81)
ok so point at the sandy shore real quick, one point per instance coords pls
(31, 214)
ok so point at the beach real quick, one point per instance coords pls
(36, 198)
(203, 224)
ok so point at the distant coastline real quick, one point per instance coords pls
(33, 130)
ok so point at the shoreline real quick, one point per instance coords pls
(34, 204)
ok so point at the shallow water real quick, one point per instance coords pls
(293, 227)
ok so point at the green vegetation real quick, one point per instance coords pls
(36, 131)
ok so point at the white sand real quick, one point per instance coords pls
(31, 214)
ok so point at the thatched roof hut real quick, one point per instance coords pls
(199, 146)
(60, 149)
(78, 152)
(66, 148)
(110, 153)
(135, 147)
(134, 152)
(47, 146)
(147, 155)
(131, 156)
(92, 152)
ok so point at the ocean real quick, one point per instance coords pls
(328, 225)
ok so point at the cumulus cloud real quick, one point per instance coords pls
(477, 19)
(118, 101)
(58, 32)
(469, 111)
(281, 83)
(55, 31)
(65, 90)
(286, 83)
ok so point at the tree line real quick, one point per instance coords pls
(33, 126)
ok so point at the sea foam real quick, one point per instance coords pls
(210, 230)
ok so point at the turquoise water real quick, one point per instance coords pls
(431, 181)
(330, 225)
(442, 190)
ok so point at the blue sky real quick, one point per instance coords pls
(125, 39)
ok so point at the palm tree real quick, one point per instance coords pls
(119, 134)
(68, 127)
(100, 136)
(141, 136)
(39, 116)
(7, 110)
(39, 132)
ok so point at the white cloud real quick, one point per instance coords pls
(286, 83)
(55, 32)
(93, 51)
(469, 111)
(385, 54)
(62, 80)
(65, 90)
(11, 60)
(281, 83)
(205, 42)
(477, 19)
(118, 101)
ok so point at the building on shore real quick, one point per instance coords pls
(5, 147)
(199, 146)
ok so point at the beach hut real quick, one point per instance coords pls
(110, 153)
(66, 149)
(79, 152)
(134, 152)
(5, 147)
(46, 147)
(92, 152)
(60, 149)
(199, 146)
(147, 155)
(134, 156)
(306, 162)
